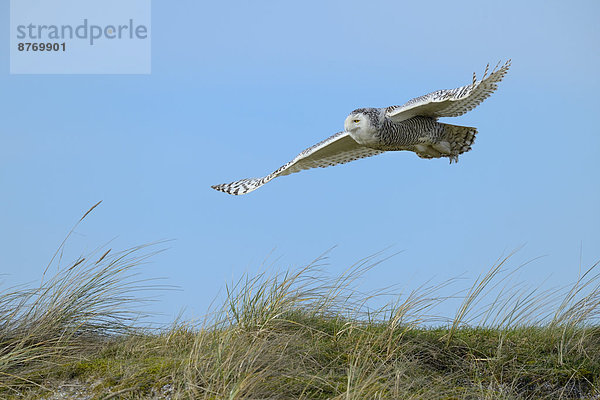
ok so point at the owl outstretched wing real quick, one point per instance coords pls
(337, 149)
(451, 102)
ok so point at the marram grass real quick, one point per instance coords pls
(299, 334)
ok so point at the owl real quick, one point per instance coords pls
(413, 126)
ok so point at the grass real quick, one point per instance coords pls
(298, 334)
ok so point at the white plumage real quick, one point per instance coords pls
(412, 126)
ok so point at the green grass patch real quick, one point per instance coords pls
(299, 335)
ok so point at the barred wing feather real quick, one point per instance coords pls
(452, 102)
(337, 149)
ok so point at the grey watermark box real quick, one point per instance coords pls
(80, 37)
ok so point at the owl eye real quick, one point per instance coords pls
(356, 121)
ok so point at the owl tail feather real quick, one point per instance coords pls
(460, 139)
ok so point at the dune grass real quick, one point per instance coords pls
(299, 334)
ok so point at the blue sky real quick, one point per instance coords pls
(239, 88)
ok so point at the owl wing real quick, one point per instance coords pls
(451, 102)
(337, 149)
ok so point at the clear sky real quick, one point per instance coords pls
(238, 88)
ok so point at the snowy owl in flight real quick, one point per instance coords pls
(413, 126)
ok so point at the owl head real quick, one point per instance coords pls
(363, 124)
